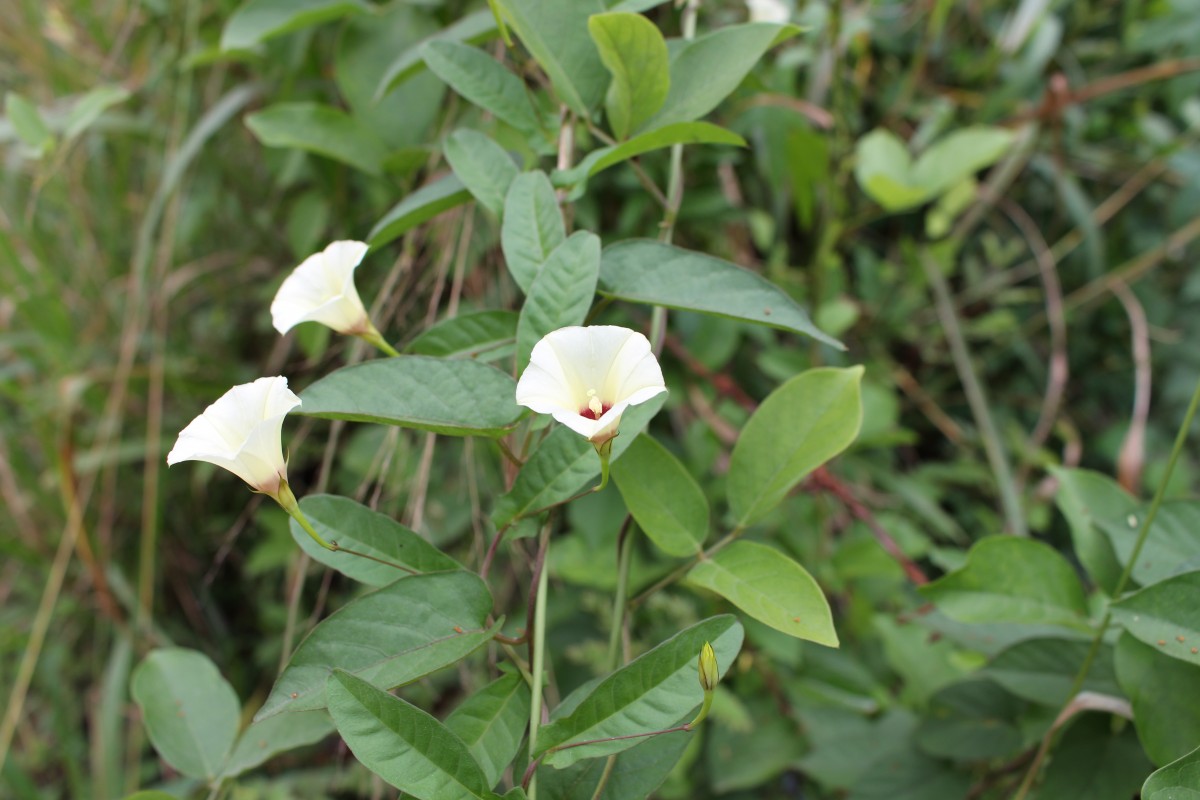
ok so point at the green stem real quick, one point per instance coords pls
(539, 651)
(992, 445)
(373, 337)
(621, 598)
(1143, 534)
(287, 501)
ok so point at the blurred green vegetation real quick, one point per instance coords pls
(140, 248)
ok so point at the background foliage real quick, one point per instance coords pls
(1028, 341)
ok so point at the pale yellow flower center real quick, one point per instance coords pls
(594, 404)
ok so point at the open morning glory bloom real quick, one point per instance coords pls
(585, 377)
(322, 290)
(242, 432)
(768, 11)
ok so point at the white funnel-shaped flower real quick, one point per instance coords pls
(242, 433)
(585, 377)
(322, 290)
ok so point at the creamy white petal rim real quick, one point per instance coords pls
(768, 11)
(322, 290)
(573, 368)
(242, 432)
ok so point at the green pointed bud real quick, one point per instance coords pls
(709, 675)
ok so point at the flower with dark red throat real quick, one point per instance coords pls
(585, 377)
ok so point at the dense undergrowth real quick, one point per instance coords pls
(1023, 300)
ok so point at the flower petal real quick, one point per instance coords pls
(322, 290)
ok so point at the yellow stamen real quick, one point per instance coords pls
(594, 403)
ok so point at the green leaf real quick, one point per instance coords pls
(800, 426)
(190, 711)
(422, 205)
(663, 497)
(770, 587)
(1043, 670)
(707, 69)
(354, 526)
(456, 397)
(480, 334)
(319, 129)
(1010, 579)
(887, 173)
(389, 637)
(1165, 695)
(89, 108)
(645, 271)
(482, 165)
(556, 35)
(1171, 545)
(475, 28)
(654, 691)
(258, 20)
(563, 463)
(637, 772)
(906, 773)
(678, 133)
(492, 723)
(635, 53)
(483, 81)
(402, 744)
(532, 227)
(1086, 498)
(1164, 615)
(28, 124)
(971, 720)
(1098, 761)
(1176, 781)
(561, 293)
(268, 738)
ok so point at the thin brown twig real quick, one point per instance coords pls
(1132, 456)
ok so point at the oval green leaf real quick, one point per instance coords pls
(770, 587)
(644, 271)
(422, 205)
(491, 723)
(678, 133)
(1176, 781)
(659, 689)
(635, 53)
(1010, 579)
(1164, 615)
(354, 526)
(483, 81)
(561, 293)
(563, 463)
(456, 397)
(799, 426)
(475, 28)
(389, 637)
(663, 497)
(532, 227)
(319, 129)
(480, 334)
(482, 165)
(402, 744)
(190, 711)
(256, 21)
(1165, 695)
(268, 738)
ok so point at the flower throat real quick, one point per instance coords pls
(594, 408)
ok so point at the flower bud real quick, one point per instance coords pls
(709, 675)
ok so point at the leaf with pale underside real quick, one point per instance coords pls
(532, 227)
(1164, 615)
(491, 722)
(389, 637)
(421, 206)
(482, 165)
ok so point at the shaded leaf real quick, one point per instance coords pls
(1043, 670)
(474, 28)
(89, 108)
(28, 124)
(191, 713)
(420, 206)
(644, 271)
(483, 81)
(256, 21)
(971, 720)
(1097, 762)
(1086, 498)
(389, 637)
(1164, 615)
(1176, 781)
(561, 293)
(1171, 545)
(532, 227)
(491, 723)
(482, 165)
(663, 497)
(1010, 579)
(1165, 695)
(319, 129)
(354, 526)
(654, 691)
(268, 738)
(402, 744)
(677, 133)
(556, 35)
(456, 397)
